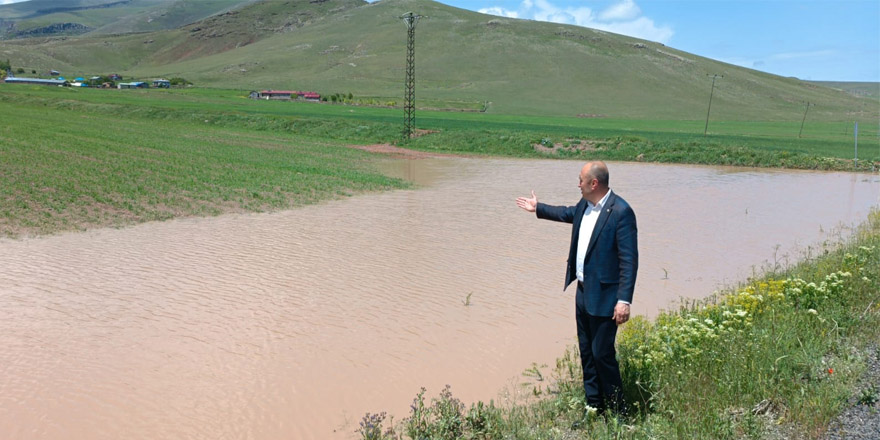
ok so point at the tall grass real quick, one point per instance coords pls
(777, 357)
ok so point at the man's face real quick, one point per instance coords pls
(586, 183)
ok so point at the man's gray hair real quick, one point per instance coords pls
(600, 172)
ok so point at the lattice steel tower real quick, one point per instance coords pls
(409, 94)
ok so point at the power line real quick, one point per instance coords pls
(714, 76)
(809, 104)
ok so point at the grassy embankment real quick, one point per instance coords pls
(81, 158)
(777, 358)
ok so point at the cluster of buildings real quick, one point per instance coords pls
(98, 81)
(95, 81)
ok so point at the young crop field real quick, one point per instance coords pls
(80, 158)
(71, 170)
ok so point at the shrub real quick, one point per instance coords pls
(180, 82)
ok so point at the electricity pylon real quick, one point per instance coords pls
(409, 93)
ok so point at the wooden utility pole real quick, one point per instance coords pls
(714, 76)
(805, 118)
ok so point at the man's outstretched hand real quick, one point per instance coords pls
(529, 204)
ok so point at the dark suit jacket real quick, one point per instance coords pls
(612, 256)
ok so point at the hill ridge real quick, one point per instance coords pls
(519, 66)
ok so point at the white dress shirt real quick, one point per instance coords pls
(588, 223)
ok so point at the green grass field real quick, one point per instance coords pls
(458, 131)
(81, 158)
(64, 169)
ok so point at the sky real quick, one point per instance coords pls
(821, 40)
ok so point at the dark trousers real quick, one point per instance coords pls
(596, 335)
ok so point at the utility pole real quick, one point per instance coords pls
(805, 118)
(856, 136)
(714, 76)
(409, 93)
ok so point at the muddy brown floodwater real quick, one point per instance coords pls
(292, 325)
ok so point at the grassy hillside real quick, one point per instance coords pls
(516, 66)
(32, 18)
(866, 89)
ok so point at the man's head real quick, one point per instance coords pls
(593, 181)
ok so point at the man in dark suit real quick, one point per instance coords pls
(603, 258)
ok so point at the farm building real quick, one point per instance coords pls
(162, 83)
(38, 81)
(286, 95)
(276, 94)
(133, 85)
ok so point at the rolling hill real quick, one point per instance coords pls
(515, 66)
(42, 18)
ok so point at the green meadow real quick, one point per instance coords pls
(78, 158)
(63, 168)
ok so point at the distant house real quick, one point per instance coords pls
(115, 77)
(38, 81)
(276, 94)
(162, 83)
(54, 72)
(286, 95)
(311, 96)
(133, 85)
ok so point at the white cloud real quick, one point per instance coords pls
(6, 2)
(623, 17)
(625, 10)
(641, 27)
(501, 12)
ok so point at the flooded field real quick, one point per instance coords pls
(294, 324)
